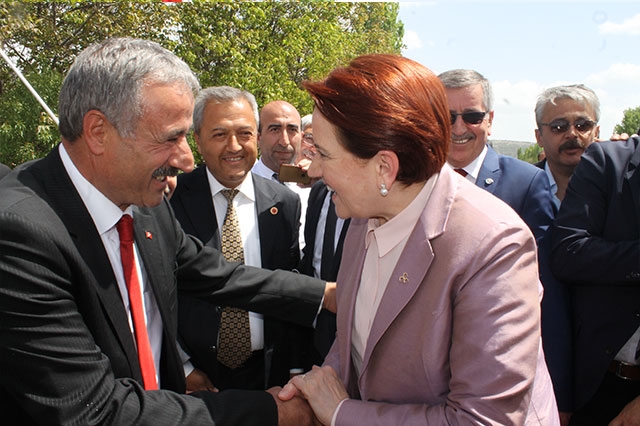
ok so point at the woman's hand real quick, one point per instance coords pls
(321, 387)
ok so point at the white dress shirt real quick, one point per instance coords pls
(245, 205)
(105, 214)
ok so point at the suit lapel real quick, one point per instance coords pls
(268, 219)
(632, 176)
(346, 297)
(490, 171)
(66, 201)
(199, 208)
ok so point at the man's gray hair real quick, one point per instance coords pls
(220, 94)
(576, 92)
(109, 77)
(306, 121)
(457, 79)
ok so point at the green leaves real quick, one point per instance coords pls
(267, 48)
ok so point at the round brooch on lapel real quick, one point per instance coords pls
(274, 211)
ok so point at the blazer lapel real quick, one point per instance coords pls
(490, 171)
(66, 201)
(198, 204)
(632, 176)
(268, 222)
(346, 297)
(414, 261)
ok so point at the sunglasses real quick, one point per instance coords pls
(582, 125)
(472, 117)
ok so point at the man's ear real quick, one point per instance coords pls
(95, 129)
(196, 138)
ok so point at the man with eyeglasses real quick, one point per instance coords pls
(524, 187)
(567, 118)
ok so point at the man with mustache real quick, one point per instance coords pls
(279, 139)
(92, 258)
(519, 184)
(567, 119)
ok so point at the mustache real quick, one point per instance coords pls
(165, 171)
(571, 144)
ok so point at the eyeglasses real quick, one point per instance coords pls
(308, 149)
(471, 117)
(582, 125)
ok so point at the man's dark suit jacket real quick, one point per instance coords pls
(4, 170)
(556, 324)
(325, 330)
(526, 189)
(596, 249)
(67, 355)
(278, 212)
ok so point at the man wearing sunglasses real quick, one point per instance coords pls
(567, 119)
(524, 187)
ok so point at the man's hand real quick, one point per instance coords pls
(199, 381)
(293, 412)
(629, 416)
(565, 418)
(621, 136)
(329, 302)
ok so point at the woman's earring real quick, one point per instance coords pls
(383, 190)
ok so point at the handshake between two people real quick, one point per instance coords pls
(309, 399)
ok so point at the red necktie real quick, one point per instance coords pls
(461, 172)
(145, 357)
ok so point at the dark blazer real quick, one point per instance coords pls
(62, 316)
(596, 249)
(278, 212)
(4, 170)
(325, 330)
(524, 187)
(556, 323)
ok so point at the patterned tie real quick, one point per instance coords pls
(145, 356)
(235, 334)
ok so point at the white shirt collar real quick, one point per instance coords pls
(245, 188)
(473, 168)
(104, 212)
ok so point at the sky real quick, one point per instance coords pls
(524, 47)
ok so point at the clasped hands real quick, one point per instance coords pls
(317, 392)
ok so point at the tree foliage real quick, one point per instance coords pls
(630, 122)
(268, 48)
(530, 154)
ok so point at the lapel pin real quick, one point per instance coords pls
(404, 278)
(149, 235)
(274, 211)
(488, 181)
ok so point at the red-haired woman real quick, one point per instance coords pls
(438, 292)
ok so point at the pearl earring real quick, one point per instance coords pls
(383, 190)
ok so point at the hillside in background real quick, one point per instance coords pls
(509, 148)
